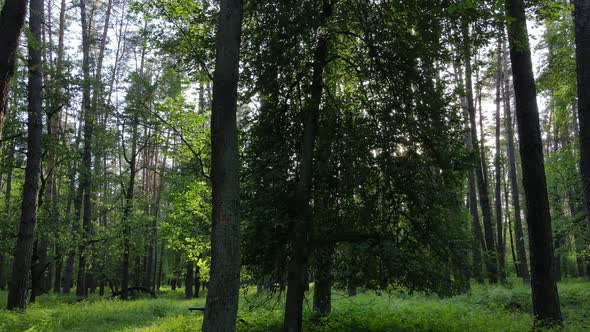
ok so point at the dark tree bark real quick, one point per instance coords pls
(498, 171)
(582, 22)
(222, 299)
(12, 18)
(518, 231)
(491, 261)
(160, 267)
(544, 288)
(189, 280)
(24, 244)
(6, 214)
(86, 171)
(129, 195)
(322, 292)
(297, 282)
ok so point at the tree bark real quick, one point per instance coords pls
(498, 167)
(546, 307)
(514, 191)
(12, 19)
(86, 171)
(189, 280)
(322, 292)
(490, 247)
(297, 282)
(24, 243)
(222, 299)
(582, 23)
(4, 271)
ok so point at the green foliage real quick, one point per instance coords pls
(485, 308)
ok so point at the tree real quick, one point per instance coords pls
(498, 168)
(12, 19)
(522, 266)
(222, 299)
(582, 28)
(546, 307)
(297, 280)
(26, 233)
(484, 200)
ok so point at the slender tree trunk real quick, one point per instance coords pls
(518, 230)
(128, 208)
(491, 261)
(12, 19)
(86, 172)
(478, 238)
(297, 281)
(510, 228)
(24, 243)
(544, 288)
(498, 166)
(222, 299)
(582, 23)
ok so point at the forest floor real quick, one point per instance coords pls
(485, 308)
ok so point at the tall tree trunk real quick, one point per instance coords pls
(297, 282)
(544, 288)
(86, 172)
(478, 238)
(24, 243)
(518, 231)
(491, 261)
(129, 207)
(222, 299)
(582, 23)
(12, 19)
(498, 166)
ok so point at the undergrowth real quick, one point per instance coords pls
(484, 308)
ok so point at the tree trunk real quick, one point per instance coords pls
(490, 256)
(498, 166)
(222, 299)
(518, 231)
(128, 208)
(86, 172)
(322, 292)
(297, 282)
(12, 19)
(189, 280)
(24, 244)
(4, 271)
(544, 288)
(582, 23)
(478, 240)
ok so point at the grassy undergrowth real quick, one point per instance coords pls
(485, 308)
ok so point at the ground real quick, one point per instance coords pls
(485, 308)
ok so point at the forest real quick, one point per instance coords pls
(294, 165)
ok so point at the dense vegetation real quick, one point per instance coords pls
(321, 165)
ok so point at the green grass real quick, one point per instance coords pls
(485, 308)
